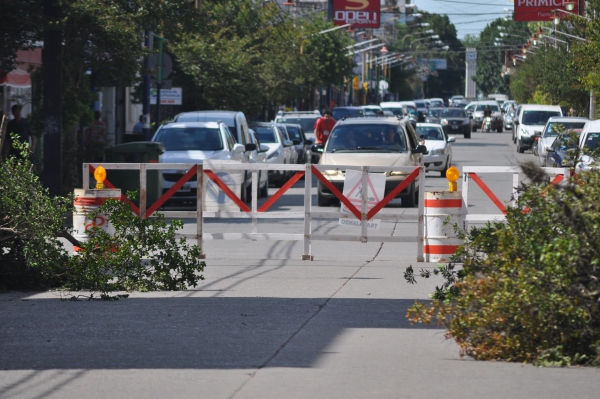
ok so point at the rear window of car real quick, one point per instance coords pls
(307, 123)
(537, 117)
(191, 139)
(482, 107)
(430, 133)
(265, 134)
(420, 104)
(554, 128)
(376, 138)
(398, 111)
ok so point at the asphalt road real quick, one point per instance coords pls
(264, 324)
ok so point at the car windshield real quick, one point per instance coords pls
(482, 107)
(435, 112)
(395, 110)
(537, 117)
(339, 113)
(554, 128)
(294, 132)
(420, 104)
(591, 142)
(191, 139)
(367, 138)
(307, 123)
(430, 133)
(454, 113)
(265, 134)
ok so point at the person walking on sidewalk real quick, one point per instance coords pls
(323, 127)
(18, 125)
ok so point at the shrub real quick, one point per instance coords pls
(529, 289)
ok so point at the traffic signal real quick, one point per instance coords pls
(365, 86)
(355, 83)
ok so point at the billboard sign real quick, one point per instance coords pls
(359, 13)
(539, 10)
(173, 96)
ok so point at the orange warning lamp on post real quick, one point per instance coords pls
(100, 176)
(452, 174)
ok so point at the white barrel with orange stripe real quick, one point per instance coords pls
(440, 239)
(85, 202)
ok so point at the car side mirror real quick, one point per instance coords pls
(451, 139)
(296, 142)
(264, 148)
(421, 149)
(288, 143)
(250, 147)
(550, 149)
(308, 142)
(238, 148)
(516, 122)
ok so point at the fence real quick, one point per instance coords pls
(210, 168)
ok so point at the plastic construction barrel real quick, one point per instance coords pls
(86, 202)
(440, 239)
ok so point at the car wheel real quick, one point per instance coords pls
(534, 149)
(411, 198)
(264, 192)
(520, 149)
(467, 135)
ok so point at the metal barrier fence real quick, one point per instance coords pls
(209, 170)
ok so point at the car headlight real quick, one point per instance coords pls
(524, 132)
(274, 154)
(444, 121)
(438, 151)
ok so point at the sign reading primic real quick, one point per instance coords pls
(539, 10)
(359, 13)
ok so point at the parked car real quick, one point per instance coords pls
(296, 133)
(478, 108)
(508, 118)
(561, 152)
(589, 142)
(268, 135)
(306, 119)
(439, 149)
(263, 176)
(456, 120)
(343, 112)
(546, 137)
(193, 142)
(434, 115)
(292, 151)
(514, 123)
(532, 118)
(238, 126)
(378, 141)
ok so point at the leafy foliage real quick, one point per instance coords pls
(529, 289)
(141, 254)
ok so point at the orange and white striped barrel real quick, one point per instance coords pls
(85, 202)
(440, 239)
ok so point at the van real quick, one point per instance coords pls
(532, 118)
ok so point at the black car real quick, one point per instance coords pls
(456, 120)
(297, 133)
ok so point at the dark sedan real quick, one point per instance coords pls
(434, 115)
(456, 120)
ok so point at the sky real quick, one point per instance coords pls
(469, 16)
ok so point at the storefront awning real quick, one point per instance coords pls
(17, 78)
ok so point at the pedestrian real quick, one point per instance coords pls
(96, 139)
(18, 125)
(137, 128)
(323, 127)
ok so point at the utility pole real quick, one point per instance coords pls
(52, 105)
(159, 77)
(146, 101)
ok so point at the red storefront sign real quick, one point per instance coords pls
(539, 10)
(359, 13)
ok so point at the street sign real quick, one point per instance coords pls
(167, 66)
(353, 191)
(167, 96)
(359, 13)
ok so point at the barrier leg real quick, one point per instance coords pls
(307, 213)
(255, 184)
(421, 221)
(200, 208)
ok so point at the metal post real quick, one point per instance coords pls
(143, 191)
(421, 220)
(159, 80)
(255, 183)
(465, 196)
(363, 208)
(200, 208)
(146, 100)
(307, 211)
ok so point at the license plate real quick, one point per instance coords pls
(185, 188)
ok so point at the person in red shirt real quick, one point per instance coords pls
(323, 127)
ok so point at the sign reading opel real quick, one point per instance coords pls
(359, 13)
(539, 10)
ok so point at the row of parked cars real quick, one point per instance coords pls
(193, 137)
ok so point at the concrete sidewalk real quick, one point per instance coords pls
(262, 325)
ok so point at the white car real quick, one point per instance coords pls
(589, 142)
(277, 151)
(548, 135)
(532, 118)
(193, 142)
(263, 176)
(439, 149)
